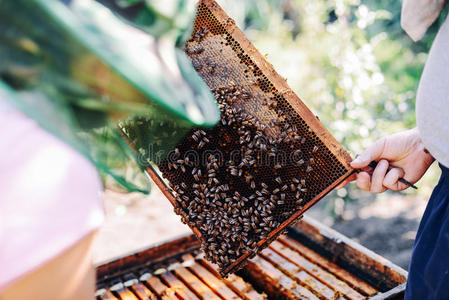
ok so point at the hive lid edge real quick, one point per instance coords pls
(187, 241)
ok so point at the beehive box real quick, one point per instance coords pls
(311, 262)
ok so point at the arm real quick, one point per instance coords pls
(403, 151)
(69, 276)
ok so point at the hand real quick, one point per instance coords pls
(403, 151)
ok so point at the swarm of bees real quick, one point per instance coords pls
(230, 183)
(239, 181)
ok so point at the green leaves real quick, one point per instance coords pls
(80, 68)
(157, 17)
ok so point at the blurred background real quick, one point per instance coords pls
(355, 68)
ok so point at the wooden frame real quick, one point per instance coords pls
(300, 108)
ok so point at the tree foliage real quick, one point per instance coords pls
(348, 60)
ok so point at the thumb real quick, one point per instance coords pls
(374, 152)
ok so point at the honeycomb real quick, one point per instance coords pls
(267, 117)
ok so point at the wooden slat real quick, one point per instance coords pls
(396, 293)
(298, 274)
(195, 284)
(246, 288)
(155, 253)
(343, 275)
(142, 291)
(126, 294)
(161, 290)
(108, 296)
(313, 269)
(219, 286)
(178, 286)
(372, 268)
(234, 282)
(275, 283)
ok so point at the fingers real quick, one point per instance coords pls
(374, 152)
(391, 180)
(374, 182)
(364, 181)
(378, 176)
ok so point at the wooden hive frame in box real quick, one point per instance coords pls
(312, 262)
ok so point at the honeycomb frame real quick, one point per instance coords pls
(223, 56)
